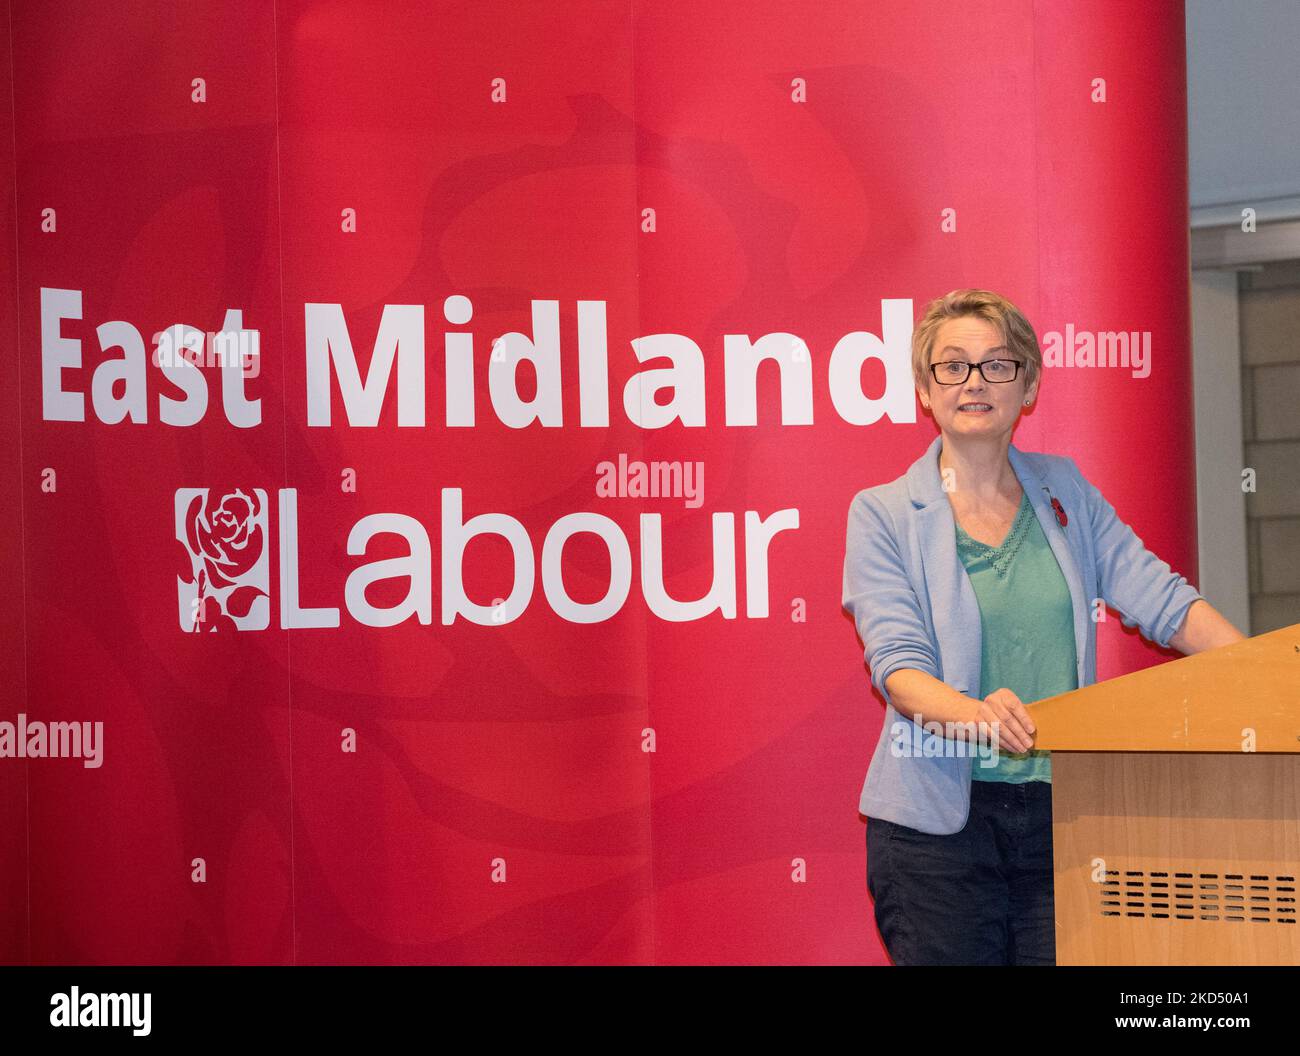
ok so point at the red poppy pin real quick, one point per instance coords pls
(1060, 512)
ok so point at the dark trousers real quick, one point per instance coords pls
(979, 896)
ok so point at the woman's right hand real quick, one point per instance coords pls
(1015, 728)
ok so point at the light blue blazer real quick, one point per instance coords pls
(914, 606)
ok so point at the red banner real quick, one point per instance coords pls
(430, 431)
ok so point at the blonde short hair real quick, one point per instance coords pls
(1007, 319)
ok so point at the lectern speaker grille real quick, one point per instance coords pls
(1232, 898)
(1177, 857)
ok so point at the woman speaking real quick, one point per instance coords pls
(971, 580)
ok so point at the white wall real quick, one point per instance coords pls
(1220, 502)
(1243, 101)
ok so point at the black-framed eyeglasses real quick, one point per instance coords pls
(994, 371)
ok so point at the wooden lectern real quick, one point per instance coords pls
(1176, 809)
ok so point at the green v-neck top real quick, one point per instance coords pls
(1027, 629)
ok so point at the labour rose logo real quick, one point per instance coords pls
(224, 579)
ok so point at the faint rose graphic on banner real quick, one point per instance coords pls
(227, 584)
